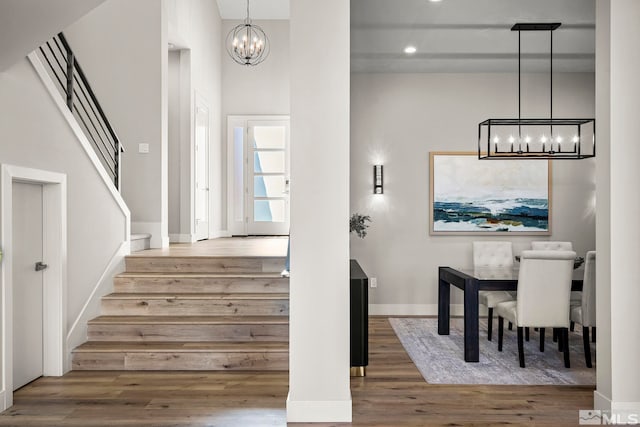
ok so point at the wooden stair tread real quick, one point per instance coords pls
(190, 347)
(221, 275)
(197, 296)
(142, 255)
(189, 320)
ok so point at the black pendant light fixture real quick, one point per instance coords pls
(247, 43)
(537, 138)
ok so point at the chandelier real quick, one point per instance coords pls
(537, 138)
(247, 44)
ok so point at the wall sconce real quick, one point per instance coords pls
(377, 179)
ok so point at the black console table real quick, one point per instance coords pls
(359, 320)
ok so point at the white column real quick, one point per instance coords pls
(602, 394)
(319, 314)
(625, 205)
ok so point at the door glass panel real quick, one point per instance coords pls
(268, 162)
(238, 173)
(268, 210)
(268, 186)
(268, 137)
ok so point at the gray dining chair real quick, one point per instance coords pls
(544, 286)
(492, 255)
(585, 313)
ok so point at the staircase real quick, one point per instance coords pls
(192, 313)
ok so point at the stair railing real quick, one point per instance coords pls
(83, 104)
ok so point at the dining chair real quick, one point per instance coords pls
(585, 313)
(544, 285)
(549, 245)
(492, 255)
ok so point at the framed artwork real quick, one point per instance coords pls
(471, 196)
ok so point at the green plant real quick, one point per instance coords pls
(358, 224)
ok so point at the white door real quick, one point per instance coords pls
(27, 283)
(202, 171)
(267, 177)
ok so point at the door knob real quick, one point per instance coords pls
(41, 266)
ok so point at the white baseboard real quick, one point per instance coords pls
(411, 309)
(78, 331)
(318, 411)
(182, 238)
(601, 402)
(158, 239)
(220, 233)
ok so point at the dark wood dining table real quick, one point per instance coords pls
(470, 281)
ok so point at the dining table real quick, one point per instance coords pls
(471, 281)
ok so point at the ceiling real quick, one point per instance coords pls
(455, 35)
(260, 9)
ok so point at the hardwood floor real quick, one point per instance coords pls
(392, 394)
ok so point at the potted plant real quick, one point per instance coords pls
(358, 224)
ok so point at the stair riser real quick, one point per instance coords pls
(180, 361)
(160, 284)
(195, 307)
(203, 265)
(194, 333)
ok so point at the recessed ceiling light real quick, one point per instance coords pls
(435, 1)
(410, 50)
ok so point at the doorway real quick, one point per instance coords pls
(33, 218)
(202, 169)
(258, 175)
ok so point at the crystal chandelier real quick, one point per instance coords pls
(537, 138)
(247, 44)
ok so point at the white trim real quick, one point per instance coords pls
(310, 411)
(601, 402)
(411, 309)
(158, 240)
(78, 331)
(84, 142)
(182, 238)
(54, 278)
(632, 407)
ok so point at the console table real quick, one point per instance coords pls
(359, 283)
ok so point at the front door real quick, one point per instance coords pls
(27, 283)
(267, 181)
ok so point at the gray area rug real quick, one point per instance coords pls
(440, 358)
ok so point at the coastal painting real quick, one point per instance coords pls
(469, 196)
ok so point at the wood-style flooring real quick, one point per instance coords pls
(392, 394)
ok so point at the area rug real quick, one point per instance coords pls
(440, 358)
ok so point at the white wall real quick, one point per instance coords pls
(259, 90)
(33, 133)
(195, 27)
(397, 119)
(319, 343)
(22, 29)
(122, 47)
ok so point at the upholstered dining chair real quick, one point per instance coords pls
(544, 285)
(585, 313)
(498, 255)
(549, 245)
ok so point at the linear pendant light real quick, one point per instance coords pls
(537, 138)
